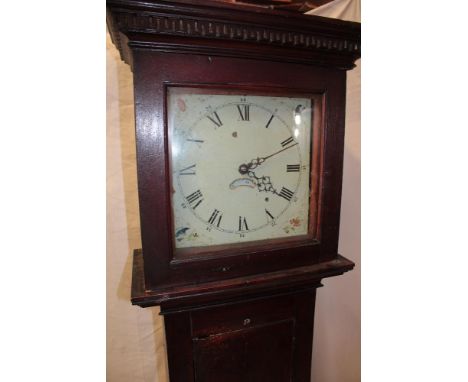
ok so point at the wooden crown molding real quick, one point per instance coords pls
(219, 29)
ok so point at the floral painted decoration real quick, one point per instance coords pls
(292, 225)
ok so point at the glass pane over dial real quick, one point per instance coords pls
(240, 166)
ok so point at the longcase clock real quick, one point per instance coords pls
(239, 114)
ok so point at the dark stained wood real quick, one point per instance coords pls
(305, 313)
(252, 354)
(266, 338)
(212, 321)
(179, 347)
(230, 30)
(179, 298)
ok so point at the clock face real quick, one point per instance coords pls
(240, 166)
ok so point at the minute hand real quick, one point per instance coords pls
(269, 156)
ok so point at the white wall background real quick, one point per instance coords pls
(337, 335)
(135, 336)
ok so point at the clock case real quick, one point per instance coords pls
(249, 49)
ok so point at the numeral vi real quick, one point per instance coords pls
(243, 224)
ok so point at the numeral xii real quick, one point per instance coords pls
(244, 111)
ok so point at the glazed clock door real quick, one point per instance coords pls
(240, 166)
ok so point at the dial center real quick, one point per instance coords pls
(243, 169)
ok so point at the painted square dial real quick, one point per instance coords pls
(240, 166)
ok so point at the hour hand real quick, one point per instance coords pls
(254, 163)
(263, 182)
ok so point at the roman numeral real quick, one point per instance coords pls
(285, 193)
(213, 217)
(269, 121)
(190, 170)
(287, 141)
(193, 197)
(195, 140)
(269, 214)
(292, 167)
(244, 111)
(215, 119)
(243, 224)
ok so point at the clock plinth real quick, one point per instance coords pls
(239, 115)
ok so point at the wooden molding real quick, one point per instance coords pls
(221, 29)
(179, 297)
